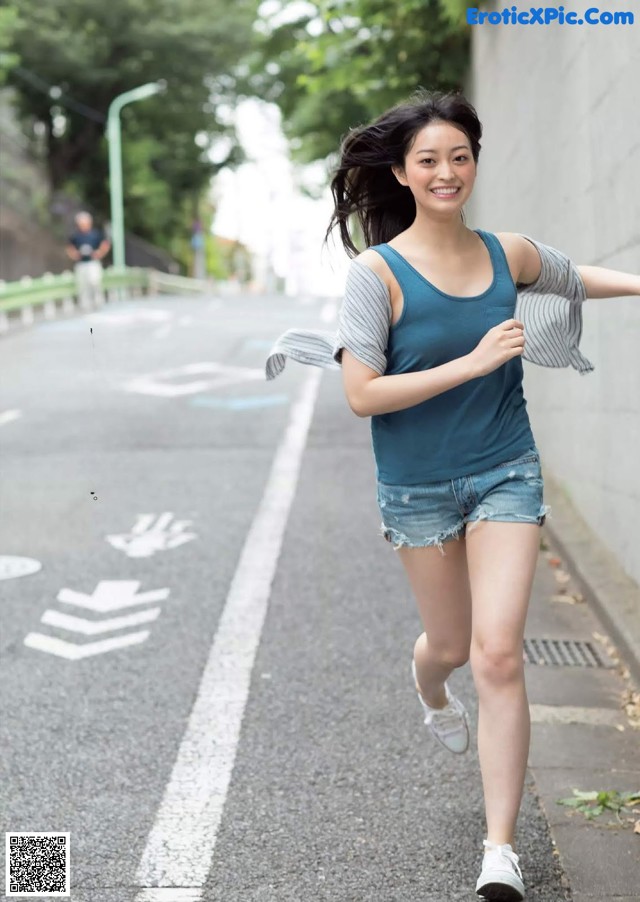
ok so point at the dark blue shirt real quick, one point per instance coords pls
(87, 242)
(473, 426)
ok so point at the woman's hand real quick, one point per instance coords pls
(500, 344)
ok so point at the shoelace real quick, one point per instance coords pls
(506, 852)
(447, 719)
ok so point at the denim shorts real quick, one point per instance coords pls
(435, 512)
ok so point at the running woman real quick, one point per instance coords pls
(430, 349)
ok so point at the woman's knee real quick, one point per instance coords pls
(496, 663)
(458, 658)
(449, 656)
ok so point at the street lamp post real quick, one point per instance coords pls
(115, 162)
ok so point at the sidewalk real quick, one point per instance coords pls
(581, 736)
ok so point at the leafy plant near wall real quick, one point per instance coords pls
(594, 803)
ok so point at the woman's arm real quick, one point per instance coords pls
(608, 283)
(368, 393)
(598, 281)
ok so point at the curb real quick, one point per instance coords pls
(612, 593)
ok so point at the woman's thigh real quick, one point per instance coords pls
(502, 559)
(503, 543)
(421, 519)
(440, 585)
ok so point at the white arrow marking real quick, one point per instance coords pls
(75, 652)
(146, 537)
(221, 375)
(112, 595)
(95, 627)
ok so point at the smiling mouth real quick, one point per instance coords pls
(445, 192)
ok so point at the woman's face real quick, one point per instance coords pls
(439, 158)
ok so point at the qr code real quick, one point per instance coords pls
(38, 864)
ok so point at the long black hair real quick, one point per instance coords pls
(363, 183)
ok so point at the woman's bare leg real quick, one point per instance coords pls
(502, 560)
(440, 584)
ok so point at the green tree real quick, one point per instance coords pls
(91, 51)
(8, 27)
(341, 62)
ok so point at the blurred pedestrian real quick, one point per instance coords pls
(87, 247)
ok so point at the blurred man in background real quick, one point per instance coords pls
(87, 246)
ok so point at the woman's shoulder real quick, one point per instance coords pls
(375, 262)
(510, 239)
(521, 255)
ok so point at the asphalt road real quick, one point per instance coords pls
(290, 764)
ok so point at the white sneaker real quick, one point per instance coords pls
(450, 725)
(501, 878)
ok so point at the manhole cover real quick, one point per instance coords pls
(565, 653)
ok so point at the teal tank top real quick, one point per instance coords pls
(469, 428)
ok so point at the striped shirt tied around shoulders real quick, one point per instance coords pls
(549, 308)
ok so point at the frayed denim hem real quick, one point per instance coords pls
(403, 541)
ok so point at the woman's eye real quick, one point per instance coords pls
(430, 159)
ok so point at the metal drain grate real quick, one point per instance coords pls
(564, 653)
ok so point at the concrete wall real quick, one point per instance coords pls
(560, 161)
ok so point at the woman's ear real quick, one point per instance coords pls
(399, 173)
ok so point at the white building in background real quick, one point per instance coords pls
(260, 205)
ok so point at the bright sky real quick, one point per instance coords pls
(260, 205)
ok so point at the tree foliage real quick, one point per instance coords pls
(338, 63)
(8, 26)
(92, 51)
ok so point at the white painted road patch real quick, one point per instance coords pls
(12, 567)
(164, 384)
(181, 843)
(129, 317)
(8, 416)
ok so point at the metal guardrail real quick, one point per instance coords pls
(172, 284)
(27, 295)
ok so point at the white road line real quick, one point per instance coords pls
(181, 843)
(173, 894)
